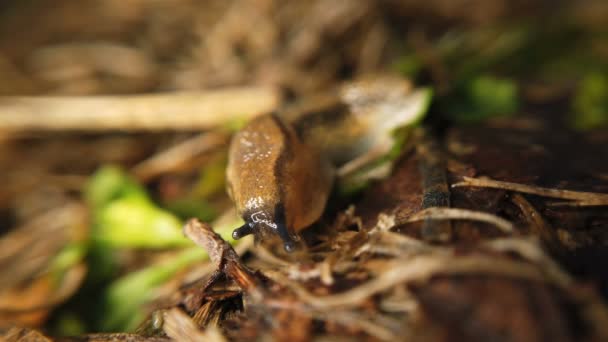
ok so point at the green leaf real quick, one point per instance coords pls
(110, 183)
(484, 97)
(137, 222)
(590, 103)
(408, 65)
(124, 298)
(124, 215)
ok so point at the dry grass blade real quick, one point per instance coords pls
(394, 244)
(178, 155)
(531, 250)
(27, 249)
(439, 213)
(70, 283)
(579, 198)
(24, 334)
(179, 327)
(536, 222)
(179, 111)
(416, 269)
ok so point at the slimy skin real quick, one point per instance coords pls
(281, 168)
(279, 184)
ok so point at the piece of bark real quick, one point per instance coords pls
(223, 256)
(436, 192)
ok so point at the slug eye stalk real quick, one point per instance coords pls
(288, 244)
(242, 231)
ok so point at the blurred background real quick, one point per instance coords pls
(68, 196)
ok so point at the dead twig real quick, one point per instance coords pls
(537, 223)
(394, 244)
(577, 198)
(439, 213)
(223, 256)
(416, 269)
(177, 111)
(531, 250)
(176, 156)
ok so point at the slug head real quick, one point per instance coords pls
(262, 222)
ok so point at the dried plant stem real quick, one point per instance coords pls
(223, 256)
(537, 223)
(578, 198)
(70, 283)
(531, 250)
(178, 155)
(27, 249)
(439, 213)
(180, 327)
(170, 111)
(417, 269)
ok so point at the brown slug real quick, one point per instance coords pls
(281, 167)
(278, 183)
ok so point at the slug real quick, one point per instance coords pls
(281, 166)
(278, 183)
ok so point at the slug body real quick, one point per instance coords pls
(281, 167)
(279, 184)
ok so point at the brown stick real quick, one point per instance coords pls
(223, 256)
(170, 111)
(578, 198)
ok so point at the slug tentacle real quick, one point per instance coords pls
(288, 243)
(242, 231)
(282, 230)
